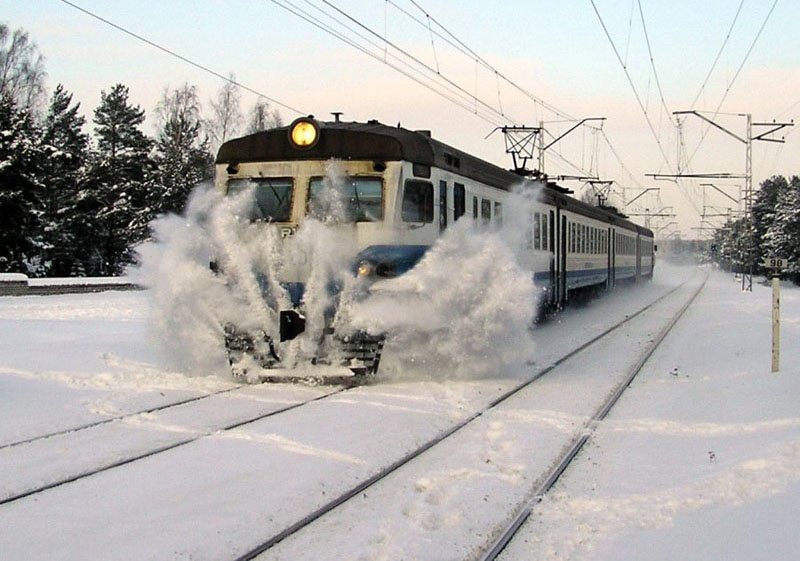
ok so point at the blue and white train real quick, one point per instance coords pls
(403, 190)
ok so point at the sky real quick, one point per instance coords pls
(528, 63)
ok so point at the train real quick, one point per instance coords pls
(396, 192)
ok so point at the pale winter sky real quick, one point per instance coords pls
(531, 61)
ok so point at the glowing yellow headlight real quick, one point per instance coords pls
(364, 269)
(304, 132)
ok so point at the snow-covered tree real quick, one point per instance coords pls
(21, 68)
(65, 146)
(182, 157)
(20, 189)
(782, 235)
(764, 209)
(118, 181)
(774, 229)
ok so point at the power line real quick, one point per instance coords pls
(632, 85)
(413, 58)
(434, 80)
(719, 54)
(653, 63)
(458, 44)
(450, 95)
(449, 90)
(733, 80)
(181, 57)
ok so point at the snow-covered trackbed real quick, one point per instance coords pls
(484, 492)
(38, 464)
(265, 471)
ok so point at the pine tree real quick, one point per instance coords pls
(764, 210)
(118, 180)
(182, 156)
(782, 237)
(20, 189)
(65, 149)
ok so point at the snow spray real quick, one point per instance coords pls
(464, 311)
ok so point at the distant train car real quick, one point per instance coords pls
(398, 191)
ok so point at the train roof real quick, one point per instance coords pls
(375, 141)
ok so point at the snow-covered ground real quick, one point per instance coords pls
(699, 460)
(701, 457)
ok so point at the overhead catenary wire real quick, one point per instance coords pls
(462, 47)
(416, 69)
(416, 60)
(632, 85)
(653, 63)
(459, 98)
(458, 44)
(493, 113)
(638, 97)
(719, 54)
(183, 58)
(733, 81)
(450, 90)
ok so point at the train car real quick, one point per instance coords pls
(397, 191)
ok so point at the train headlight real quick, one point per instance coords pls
(304, 133)
(365, 269)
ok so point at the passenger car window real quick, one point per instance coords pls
(459, 201)
(442, 205)
(272, 197)
(417, 201)
(486, 210)
(545, 244)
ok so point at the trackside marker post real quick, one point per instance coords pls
(776, 323)
(776, 265)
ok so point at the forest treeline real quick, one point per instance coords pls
(76, 203)
(773, 230)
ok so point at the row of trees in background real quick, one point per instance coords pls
(74, 204)
(774, 230)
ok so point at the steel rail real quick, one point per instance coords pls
(107, 420)
(394, 466)
(578, 443)
(159, 450)
(294, 380)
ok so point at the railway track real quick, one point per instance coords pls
(572, 451)
(366, 481)
(121, 417)
(262, 551)
(78, 442)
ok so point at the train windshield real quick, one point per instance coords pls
(349, 199)
(272, 201)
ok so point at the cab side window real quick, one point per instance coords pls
(417, 201)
